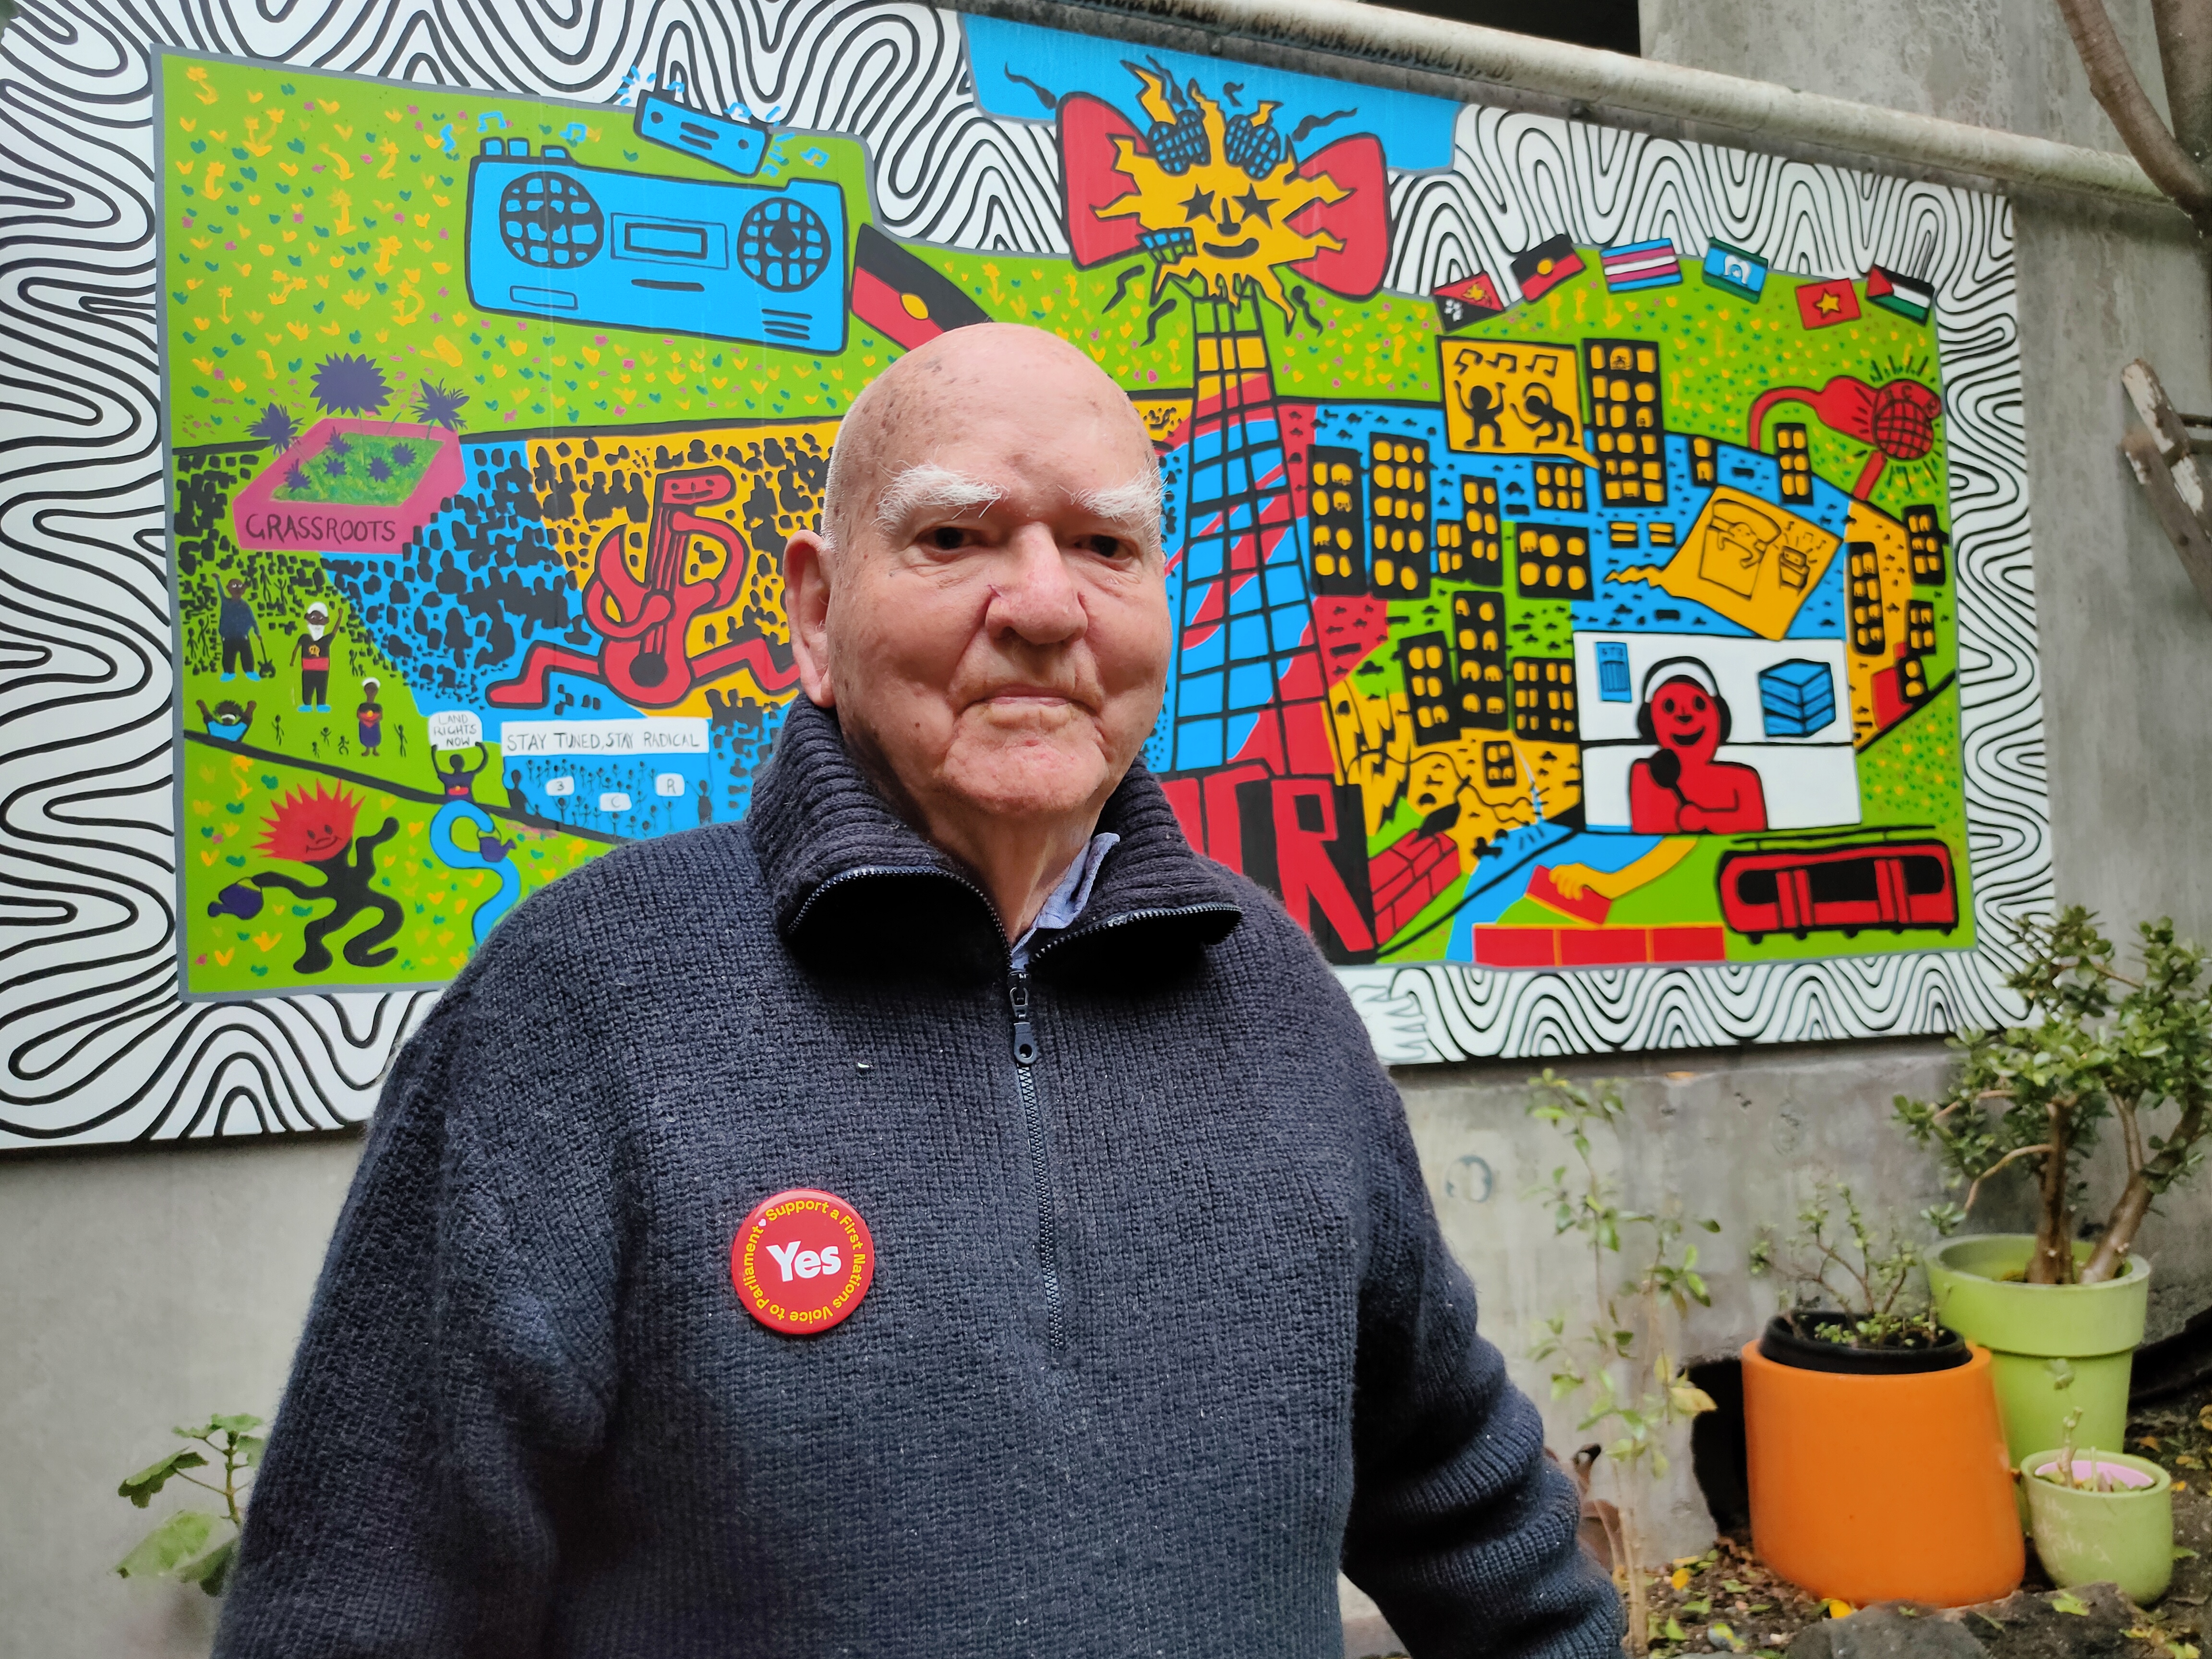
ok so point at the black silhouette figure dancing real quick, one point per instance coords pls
(344, 882)
(1483, 404)
(1545, 417)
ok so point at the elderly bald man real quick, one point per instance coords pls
(941, 1215)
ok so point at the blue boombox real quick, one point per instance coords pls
(548, 237)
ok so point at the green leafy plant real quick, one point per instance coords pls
(179, 1547)
(2100, 1044)
(2060, 1471)
(1836, 1261)
(1643, 1277)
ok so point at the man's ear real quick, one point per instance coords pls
(806, 601)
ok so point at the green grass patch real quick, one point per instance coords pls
(361, 469)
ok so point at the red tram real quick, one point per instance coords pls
(1795, 890)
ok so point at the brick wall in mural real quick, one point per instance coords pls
(1598, 561)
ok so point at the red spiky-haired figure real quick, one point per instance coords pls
(316, 829)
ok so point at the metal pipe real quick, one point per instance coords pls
(1612, 81)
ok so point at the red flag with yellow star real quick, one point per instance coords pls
(1823, 305)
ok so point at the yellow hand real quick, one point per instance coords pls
(1571, 879)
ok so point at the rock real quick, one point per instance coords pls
(1893, 1631)
(2033, 1626)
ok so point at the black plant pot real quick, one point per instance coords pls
(1810, 1353)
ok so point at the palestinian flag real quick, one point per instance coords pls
(1545, 267)
(1641, 264)
(1823, 305)
(1908, 297)
(898, 296)
(1471, 297)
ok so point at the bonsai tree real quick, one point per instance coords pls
(2101, 1044)
(1850, 1266)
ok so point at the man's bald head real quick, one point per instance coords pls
(993, 629)
(885, 464)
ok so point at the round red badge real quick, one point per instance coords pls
(802, 1261)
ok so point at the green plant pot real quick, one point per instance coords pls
(2093, 1537)
(2040, 1334)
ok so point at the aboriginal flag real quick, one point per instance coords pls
(1459, 303)
(897, 295)
(1823, 305)
(1546, 265)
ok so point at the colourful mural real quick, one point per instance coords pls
(1600, 562)
(1593, 610)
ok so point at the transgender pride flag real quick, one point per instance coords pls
(1641, 264)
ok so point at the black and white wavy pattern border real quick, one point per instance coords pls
(98, 1047)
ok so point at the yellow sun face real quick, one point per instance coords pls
(1224, 221)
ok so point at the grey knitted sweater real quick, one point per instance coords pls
(1161, 1329)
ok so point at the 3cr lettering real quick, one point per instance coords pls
(796, 1263)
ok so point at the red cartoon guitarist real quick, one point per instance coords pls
(644, 658)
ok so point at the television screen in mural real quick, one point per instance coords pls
(1546, 599)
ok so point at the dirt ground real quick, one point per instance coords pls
(1725, 1601)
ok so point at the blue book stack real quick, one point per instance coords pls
(1796, 699)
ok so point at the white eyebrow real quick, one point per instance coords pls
(929, 487)
(1136, 503)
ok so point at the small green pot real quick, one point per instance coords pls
(2040, 1336)
(2093, 1537)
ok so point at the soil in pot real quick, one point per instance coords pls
(1810, 1347)
(2087, 1537)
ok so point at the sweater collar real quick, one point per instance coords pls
(853, 886)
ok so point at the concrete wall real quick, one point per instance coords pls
(142, 1288)
(145, 1287)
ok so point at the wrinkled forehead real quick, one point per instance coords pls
(1010, 414)
(997, 424)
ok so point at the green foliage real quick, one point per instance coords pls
(1871, 1275)
(169, 1546)
(141, 1487)
(1644, 1277)
(2099, 1045)
(178, 1548)
(1627, 1330)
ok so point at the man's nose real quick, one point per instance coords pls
(1033, 594)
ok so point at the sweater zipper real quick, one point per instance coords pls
(1025, 1086)
(1025, 1057)
(1157, 914)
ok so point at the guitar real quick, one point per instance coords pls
(644, 624)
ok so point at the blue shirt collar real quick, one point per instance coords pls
(1067, 900)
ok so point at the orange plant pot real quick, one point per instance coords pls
(1881, 1488)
